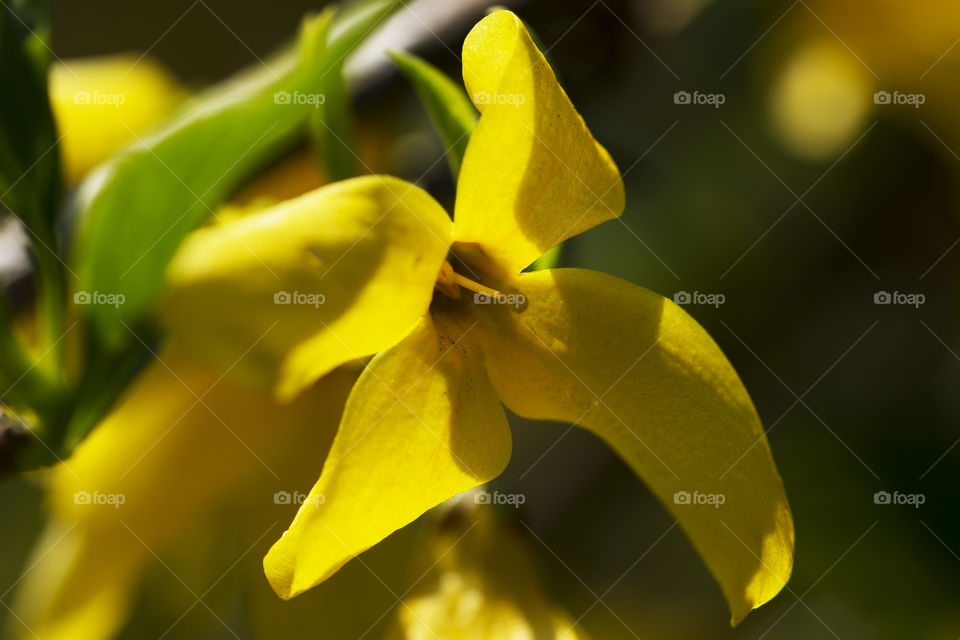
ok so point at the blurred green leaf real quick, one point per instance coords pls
(135, 209)
(451, 111)
(31, 182)
(104, 380)
(354, 22)
(29, 162)
(19, 377)
(332, 124)
(332, 130)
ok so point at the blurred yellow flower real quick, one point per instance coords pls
(349, 271)
(182, 442)
(476, 581)
(838, 53)
(821, 100)
(100, 104)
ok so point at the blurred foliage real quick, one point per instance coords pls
(29, 163)
(451, 111)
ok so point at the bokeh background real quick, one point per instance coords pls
(798, 199)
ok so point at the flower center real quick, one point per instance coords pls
(449, 283)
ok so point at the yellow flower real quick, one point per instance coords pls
(821, 100)
(182, 442)
(375, 266)
(475, 581)
(101, 104)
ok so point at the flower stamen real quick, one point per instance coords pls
(476, 287)
(449, 283)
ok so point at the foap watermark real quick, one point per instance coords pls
(912, 499)
(98, 297)
(110, 99)
(909, 299)
(512, 299)
(96, 498)
(285, 97)
(513, 99)
(912, 99)
(712, 99)
(698, 297)
(485, 497)
(299, 297)
(298, 498)
(696, 498)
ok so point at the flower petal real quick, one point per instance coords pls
(152, 475)
(421, 425)
(337, 274)
(532, 175)
(100, 104)
(635, 369)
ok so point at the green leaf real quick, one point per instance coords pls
(332, 129)
(450, 109)
(30, 179)
(136, 208)
(549, 260)
(332, 124)
(30, 176)
(354, 22)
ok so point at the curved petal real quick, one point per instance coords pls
(532, 175)
(421, 425)
(337, 274)
(635, 369)
(152, 474)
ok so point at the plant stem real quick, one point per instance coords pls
(50, 302)
(20, 377)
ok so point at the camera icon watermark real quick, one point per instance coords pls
(911, 499)
(299, 498)
(96, 98)
(300, 298)
(515, 300)
(513, 499)
(714, 500)
(512, 99)
(897, 298)
(697, 98)
(912, 99)
(712, 299)
(114, 500)
(312, 99)
(96, 297)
